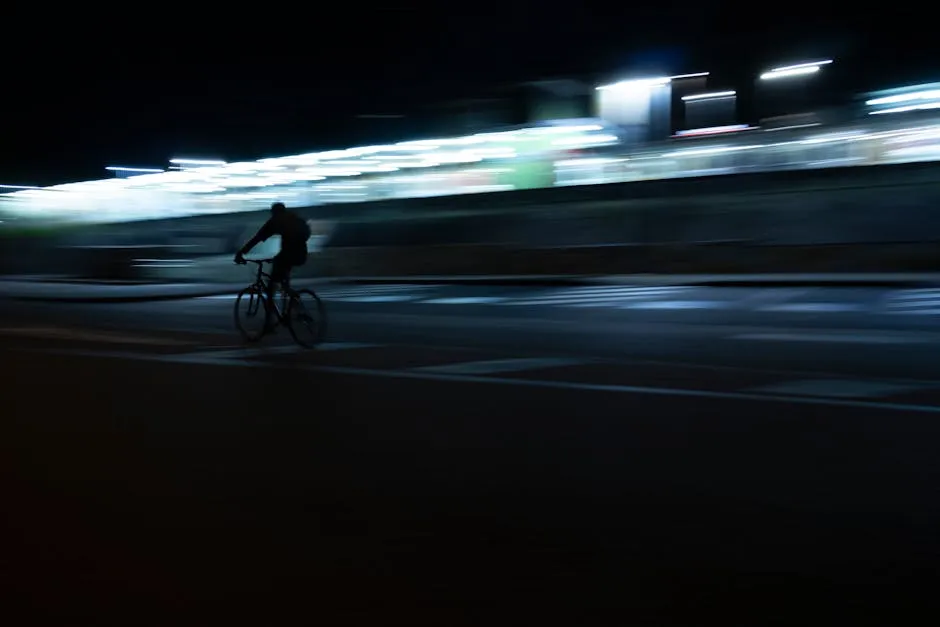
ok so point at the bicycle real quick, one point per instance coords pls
(293, 313)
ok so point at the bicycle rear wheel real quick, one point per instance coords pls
(251, 316)
(306, 318)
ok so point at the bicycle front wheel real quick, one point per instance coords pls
(306, 317)
(251, 316)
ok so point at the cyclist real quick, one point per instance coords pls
(294, 232)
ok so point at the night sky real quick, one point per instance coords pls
(137, 85)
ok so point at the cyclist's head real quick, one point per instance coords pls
(277, 208)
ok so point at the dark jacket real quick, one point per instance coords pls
(294, 234)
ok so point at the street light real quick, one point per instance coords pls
(789, 103)
(641, 107)
(646, 83)
(711, 96)
(799, 69)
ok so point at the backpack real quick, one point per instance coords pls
(301, 228)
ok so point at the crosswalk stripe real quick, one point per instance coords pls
(465, 300)
(677, 304)
(376, 298)
(916, 297)
(356, 291)
(814, 307)
(589, 297)
(923, 302)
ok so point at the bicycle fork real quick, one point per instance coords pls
(274, 312)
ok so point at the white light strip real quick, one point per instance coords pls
(695, 75)
(920, 107)
(927, 94)
(792, 72)
(196, 162)
(714, 130)
(717, 94)
(119, 168)
(650, 82)
(800, 66)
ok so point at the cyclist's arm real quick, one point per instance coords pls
(263, 233)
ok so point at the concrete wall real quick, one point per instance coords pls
(857, 205)
(653, 226)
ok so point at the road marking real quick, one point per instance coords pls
(772, 295)
(916, 312)
(832, 338)
(262, 351)
(595, 296)
(374, 289)
(916, 294)
(88, 335)
(467, 300)
(677, 304)
(529, 383)
(924, 302)
(244, 353)
(364, 294)
(385, 298)
(374, 293)
(838, 388)
(342, 346)
(218, 297)
(814, 307)
(496, 366)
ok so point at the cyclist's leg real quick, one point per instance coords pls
(290, 262)
(298, 259)
(280, 270)
(288, 268)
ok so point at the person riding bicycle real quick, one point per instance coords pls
(294, 232)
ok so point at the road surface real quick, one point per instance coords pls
(478, 456)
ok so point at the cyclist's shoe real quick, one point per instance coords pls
(271, 325)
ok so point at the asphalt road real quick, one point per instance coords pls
(477, 456)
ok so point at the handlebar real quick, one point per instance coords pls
(258, 261)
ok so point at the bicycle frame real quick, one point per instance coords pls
(291, 300)
(263, 279)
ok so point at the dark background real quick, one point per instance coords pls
(136, 84)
